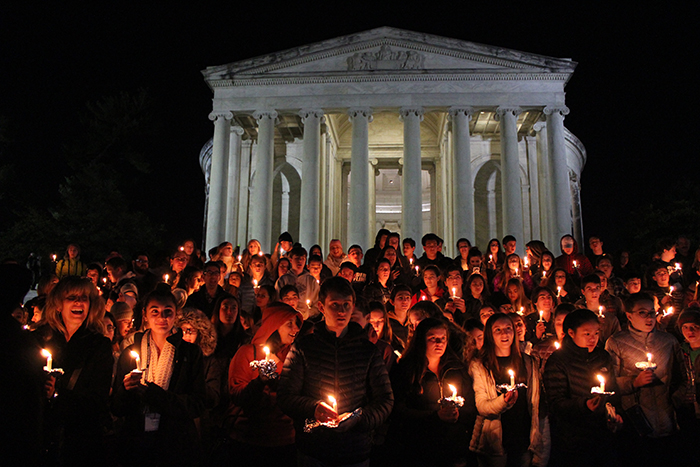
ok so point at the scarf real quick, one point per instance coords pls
(159, 368)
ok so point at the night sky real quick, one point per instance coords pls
(633, 97)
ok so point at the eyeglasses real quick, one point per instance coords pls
(189, 331)
(647, 314)
(211, 273)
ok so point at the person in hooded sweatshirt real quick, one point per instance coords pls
(262, 434)
(571, 260)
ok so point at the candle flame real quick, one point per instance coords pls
(266, 350)
(511, 373)
(332, 400)
(453, 389)
(649, 357)
(557, 345)
(45, 353)
(601, 379)
(134, 354)
(260, 253)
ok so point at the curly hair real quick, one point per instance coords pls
(206, 335)
(74, 285)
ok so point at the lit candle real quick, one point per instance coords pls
(54, 258)
(260, 253)
(267, 353)
(410, 262)
(544, 274)
(334, 403)
(137, 358)
(255, 284)
(239, 258)
(49, 360)
(454, 292)
(557, 345)
(526, 262)
(454, 391)
(521, 311)
(541, 316)
(165, 278)
(308, 303)
(423, 297)
(182, 248)
(670, 291)
(417, 270)
(575, 264)
(649, 356)
(318, 282)
(516, 272)
(104, 280)
(490, 258)
(600, 311)
(512, 378)
(602, 383)
(558, 291)
(668, 311)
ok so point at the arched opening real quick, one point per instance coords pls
(487, 203)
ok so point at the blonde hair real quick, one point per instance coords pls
(206, 335)
(74, 285)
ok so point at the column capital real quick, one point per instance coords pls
(312, 113)
(260, 114)
(454, 111)
(551, 109)
(237, 129)
(539, 126)
(505, 109)
(360, 111)
(220, 114)
(406, 111)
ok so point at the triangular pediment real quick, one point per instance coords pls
(389, 51)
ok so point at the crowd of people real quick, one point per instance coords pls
(242, 357)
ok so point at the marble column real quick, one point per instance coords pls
(411, 186)
(216, 206)
(544, 174)
(358, 230)
(233, 186)
(510, 175)
(310, 178)
(462, 180)
(560, 170)
(261, 202)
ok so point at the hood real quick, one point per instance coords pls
(274, 316)
(575, 245)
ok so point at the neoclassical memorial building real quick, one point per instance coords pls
(397, 129)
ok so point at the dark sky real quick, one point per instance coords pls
(633, 97)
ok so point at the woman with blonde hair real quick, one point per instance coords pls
(72, 331)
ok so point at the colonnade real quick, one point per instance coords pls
(555, 207)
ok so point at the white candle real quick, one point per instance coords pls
(334, 403)
(516, 271)
(454, 292)
(417, 269)
(557, 345)
(165, 278)
(255, 283)
(541, 315)
(544, 274)
(308, 303)
(600, 311)
(49, 360)
(54, 258)
(602, 383)
(558, 291)
(649, 356)
(423, 297)
(575, 264)
(521, 311)
(512, 378)
(267, 353)
(410, 262)
(136, 357)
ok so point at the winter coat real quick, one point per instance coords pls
(416, 427)
(352, 370)
(488, 432)
(175, 441)
(308, 289)
(631, 346)
(70, 267)
(80, 408)
(258, 418)
(569, 375)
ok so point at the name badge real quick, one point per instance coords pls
(152, 422)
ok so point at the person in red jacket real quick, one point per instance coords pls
(262, 434)
(575, 263)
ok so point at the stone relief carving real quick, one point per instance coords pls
(386, 59)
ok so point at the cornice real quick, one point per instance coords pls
(388, 78)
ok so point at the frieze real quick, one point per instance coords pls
(386, 59)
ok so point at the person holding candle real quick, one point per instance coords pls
(337, 360)
(544, 275)
(592, 291)
(540, 324)
(648, 391)
(564, 287)
(300, 277)
(379, 319)
(423, 431)
(433, 291)
(398, 312)
(262, 434)
(477, 294)
(496, 257)
(380, 288)
(569, 256)
(455, 300)
(73, 334)
(579, 425)
(160, 403)
(462, 259)
(509, 430)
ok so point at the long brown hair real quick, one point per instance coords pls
(80, 286)
(487, 354)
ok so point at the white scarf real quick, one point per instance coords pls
(159, 368)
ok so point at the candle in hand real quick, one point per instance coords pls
(541, 316)
(454, 292)
(334, 403)
(649, 356)
(165, 278)
(454, 391)
(602, 383)
(267, 353)
(45, 353)
(308, 303)
(136, 357)
(512, 378)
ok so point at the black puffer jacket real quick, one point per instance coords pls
(569, 375)
(352, 370)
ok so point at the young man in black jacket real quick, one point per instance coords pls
(336, 360)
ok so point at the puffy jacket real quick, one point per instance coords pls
(569, 375)
(352, 370)
(631, 346)
(488, 432)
